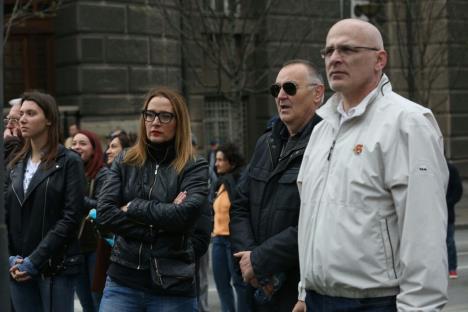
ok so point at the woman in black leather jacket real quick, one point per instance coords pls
(154, 195)
(44, 204)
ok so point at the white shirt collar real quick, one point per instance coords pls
(354, 111)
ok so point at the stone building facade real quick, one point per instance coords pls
(107, 54)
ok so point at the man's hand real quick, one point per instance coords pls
(124, 208)
(245, 265)
(300, 307)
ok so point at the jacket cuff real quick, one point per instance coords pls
(258, 266)
(301, 292)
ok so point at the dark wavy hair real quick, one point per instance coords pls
(96, 162)
(47, 104)
(232, 154)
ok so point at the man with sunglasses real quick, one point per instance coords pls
(264, 214)
(373, 218)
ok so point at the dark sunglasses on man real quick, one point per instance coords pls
(290, 87)
(164, 117)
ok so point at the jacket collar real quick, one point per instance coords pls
(329, 111)
(279, 137)
(41, 174)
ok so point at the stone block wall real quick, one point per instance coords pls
(108, 55)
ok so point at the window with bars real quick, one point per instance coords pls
(224, 121)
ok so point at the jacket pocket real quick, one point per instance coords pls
(172, 275)
(388, 249)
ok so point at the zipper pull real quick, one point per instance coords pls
(156, 170)
(331, 150)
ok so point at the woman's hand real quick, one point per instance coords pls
(180, 198)
(16, 274)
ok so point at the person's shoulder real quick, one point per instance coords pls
(69, 154)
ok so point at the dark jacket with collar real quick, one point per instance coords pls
(43, 223)
(154, 228)
(265, 212)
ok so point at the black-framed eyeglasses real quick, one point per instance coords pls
(344, 50)
(164, 117)
(290, 87)
(14, 121)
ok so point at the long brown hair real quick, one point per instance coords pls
(96, 162)
(137, 154)
(48, 105)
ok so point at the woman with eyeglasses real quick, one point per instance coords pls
(154, 195)
(88, 146)
(44, 207)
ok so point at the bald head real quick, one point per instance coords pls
(365, 30)
(354, 59)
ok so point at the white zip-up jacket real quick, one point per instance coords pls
(373, 213)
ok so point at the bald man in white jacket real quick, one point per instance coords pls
(373, 216)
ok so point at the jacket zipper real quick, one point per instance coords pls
(323, 190)
(151, 226)
(157, 271)
(45, 205)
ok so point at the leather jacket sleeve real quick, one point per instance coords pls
(277, 254)
(109, 216)
(66, 227)
(176, 217)
(91, 202)
(201, 235)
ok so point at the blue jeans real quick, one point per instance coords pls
(223, 273)
(451, 248)
(124, 299)
(321, 303)
(88, 300)
(34, 295)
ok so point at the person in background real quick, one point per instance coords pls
(153, 197)
(44, 207)
(104, 246)
(229, 164)
(265, 210)
(72, 130)
(454, 194)
(88, 145)
(12, 138)
(117, 144)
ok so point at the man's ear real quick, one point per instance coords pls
(319, 94)
(382, 58)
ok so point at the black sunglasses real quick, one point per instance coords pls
(290, 87)
(164, 117)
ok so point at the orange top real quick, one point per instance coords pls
(221, 207)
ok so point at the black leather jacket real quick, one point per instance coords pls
(265, 211)
(44, 222)
(153, 227)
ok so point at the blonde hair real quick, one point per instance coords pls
(137, 154)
